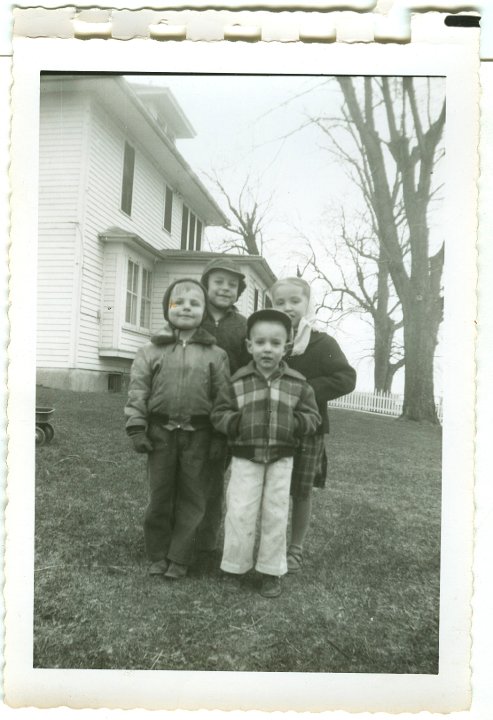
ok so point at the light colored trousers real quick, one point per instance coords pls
(254, 487)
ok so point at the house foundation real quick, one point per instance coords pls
(84, 380)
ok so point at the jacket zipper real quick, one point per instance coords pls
(268, 420)
(181, 376)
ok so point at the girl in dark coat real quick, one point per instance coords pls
(320, 359)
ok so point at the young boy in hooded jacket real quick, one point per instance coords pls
(173, 383)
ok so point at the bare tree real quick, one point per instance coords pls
(248, 218)
(395, 175)
(361, 285)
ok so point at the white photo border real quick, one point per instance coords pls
(445, 692)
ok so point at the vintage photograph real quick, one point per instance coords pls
(239, 352)
(241, 376)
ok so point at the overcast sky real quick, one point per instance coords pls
(258, 127)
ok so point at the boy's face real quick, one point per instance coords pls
(186, 306)
(291, 300)
(222, 288)
(267, 344)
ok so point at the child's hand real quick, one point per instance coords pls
(141, 443)
(217, 448)
(234, 426)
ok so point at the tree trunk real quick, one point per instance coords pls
(420, 339)
(384, 332)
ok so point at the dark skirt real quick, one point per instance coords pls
(309, 466)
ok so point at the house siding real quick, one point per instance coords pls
(106, 142)
(59, 238)
(81, 292)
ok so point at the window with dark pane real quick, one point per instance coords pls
(184, 228)
(128, 178)
(198, 236)
(191, 232)
(168, 208)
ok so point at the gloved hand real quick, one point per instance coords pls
(141, 443)
(217, 448)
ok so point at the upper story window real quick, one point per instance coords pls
(267, 300)
(128, 178)
(255, 299)
(168, 208)
(138, 300)
(191, 231)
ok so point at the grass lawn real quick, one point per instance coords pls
(367, 600)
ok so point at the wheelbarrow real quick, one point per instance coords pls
(44, 430)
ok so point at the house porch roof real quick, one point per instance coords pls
(257, 262)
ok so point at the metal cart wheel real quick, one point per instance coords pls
(49, 432)
(40, 436)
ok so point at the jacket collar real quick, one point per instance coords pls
(250, 369)
(166, 336)
(230, 311)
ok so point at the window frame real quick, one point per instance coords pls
(141, 300)
(132, 292)
(145, 299)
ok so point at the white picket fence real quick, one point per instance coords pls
(374, 402)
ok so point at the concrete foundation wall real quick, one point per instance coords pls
(79, 380)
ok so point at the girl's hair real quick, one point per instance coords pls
(299, 282)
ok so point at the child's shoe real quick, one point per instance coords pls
(295, 560)
(176, 571)
(158, 568)
(271, 586)
(231, 581)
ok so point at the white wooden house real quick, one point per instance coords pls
(121, 214)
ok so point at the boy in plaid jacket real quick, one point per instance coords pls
(264, 410)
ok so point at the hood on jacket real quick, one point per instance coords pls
(169, 290)
(166, 336)
(227, 264)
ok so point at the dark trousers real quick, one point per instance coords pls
(178, 491)
(208, 532)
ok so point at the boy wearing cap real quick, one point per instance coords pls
(263, 410)
(224, 284)
(174, 381)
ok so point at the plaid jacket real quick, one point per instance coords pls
(264, 419)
